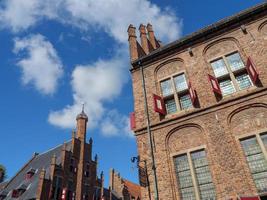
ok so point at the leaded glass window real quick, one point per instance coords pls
(184, 177)
(243, 81)
(170, 106)
(231, 73)
(180, 83)
(176, 94)
(166, 87)
(227, 87)
(185, 102)
(256, 161)
(219, 67)
(203, 175)
(235, 62)
(200, 171)
(264, 140)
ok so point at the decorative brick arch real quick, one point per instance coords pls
(179, 138)
(247, 119)
(168, 67)
(263, 28)
(177, 133)
(220, 47)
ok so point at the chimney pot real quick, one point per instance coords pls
(151, 35)
(143, 37)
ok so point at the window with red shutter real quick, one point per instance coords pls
(192, 94)
(176, 93)
(231, 74)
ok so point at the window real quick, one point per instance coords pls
(231, 73)
(255, 151)
(87, 171)
(176, 93)
(193, 175)
(73, 168)
(56, 188)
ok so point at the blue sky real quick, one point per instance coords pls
(54, 56)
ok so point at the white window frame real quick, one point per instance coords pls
(191, 166)
(231, 74)
(176, 93)
(256, 134)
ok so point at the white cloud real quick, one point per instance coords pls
(112, 16)
(115, 124)
(93, 84)
(102, 81)
(40, 63)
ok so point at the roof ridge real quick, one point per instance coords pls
(22, 168)
(49, 150)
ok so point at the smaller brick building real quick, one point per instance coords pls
(124, 189)
(66, 172)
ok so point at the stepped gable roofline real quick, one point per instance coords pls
(194, 37)
(38, 162)
(133, 188)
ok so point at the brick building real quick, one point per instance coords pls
(66, 172)
(206, 98)
(123, 188)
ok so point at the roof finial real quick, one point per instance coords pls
(83, 103)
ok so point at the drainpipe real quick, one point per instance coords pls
(149, 133)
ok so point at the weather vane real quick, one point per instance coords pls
(83, 103)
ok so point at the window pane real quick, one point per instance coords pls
(180, 82)
(219, 67)
(170, 106)
(243, 81)
(166, 88)
(256, 162)
(235, 62)
(264, 140)
(184, 178)
(250, 146)
(185, 102)
(203, 175)
(226, 87)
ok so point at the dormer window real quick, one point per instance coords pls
(15, 193)
(175, 92)
(3, 195)
(30, 173)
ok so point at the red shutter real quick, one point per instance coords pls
(252, 70)
(249, 198)
(215, 85)
(159, 105)
(64, 194)
(192, 94)
(132, 120)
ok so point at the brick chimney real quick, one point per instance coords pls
(151, 35)
(132, 42)
(143, 37)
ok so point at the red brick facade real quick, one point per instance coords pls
(215, 124)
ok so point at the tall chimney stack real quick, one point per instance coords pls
(143, 37)
(151, 35)
(132, 42)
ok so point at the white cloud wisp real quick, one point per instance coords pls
(39, 63)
